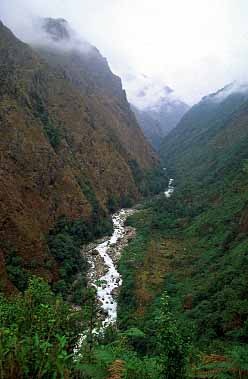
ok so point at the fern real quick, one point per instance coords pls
(116, 370)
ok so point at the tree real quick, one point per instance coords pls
(168, 343)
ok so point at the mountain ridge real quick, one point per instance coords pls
(56, 160)
(158, 113)
(194, 243)
(207, 124)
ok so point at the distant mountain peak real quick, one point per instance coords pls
(156, 106)
(57, 29)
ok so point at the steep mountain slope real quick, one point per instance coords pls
(106, 101)
(150, 126)
(160, 117)
(210, 135)
(63, 153)
(194, 244)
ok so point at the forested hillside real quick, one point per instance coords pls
(210, 138)
(194, 244)
(87, 292)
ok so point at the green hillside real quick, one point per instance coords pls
(71, 154)
(210, 139)
(194, 245)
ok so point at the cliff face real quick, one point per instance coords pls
(61, 147)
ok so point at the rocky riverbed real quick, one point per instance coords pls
(103, 257)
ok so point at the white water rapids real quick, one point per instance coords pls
(170, 189)
(109, 252)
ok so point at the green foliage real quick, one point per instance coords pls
(136, 171)
(155, 181)
(169, 344)
(64, 243)
(209, 141)
(245, 166)
(129, 263)
(39, 332)
(134, 333)
(53, 135)
(208, 155)
(100, 223)
(126, 201)
(213, 251)
(113, 204)
(206, 281)
(122, 358)
(157, 334)
(36, 334)
(40, 109)
(237, 359)
(90, 195)
(150, 182)
(16, 273)
(161, 340)
(233, 365)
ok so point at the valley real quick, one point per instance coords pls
(123, 226)
(103, 259)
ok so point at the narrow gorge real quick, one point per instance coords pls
(123, 190)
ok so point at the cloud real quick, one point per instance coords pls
(147, 92)
(195, 47)
(236, 87)
(33, 29)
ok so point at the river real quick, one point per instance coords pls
(103, 259)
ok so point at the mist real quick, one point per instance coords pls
(232, 88)
(193, 47)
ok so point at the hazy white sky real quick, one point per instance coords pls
(194, 46)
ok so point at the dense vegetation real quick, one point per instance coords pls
(183, 308)
(40, 331)
(64, 243)
(66, 238)
(210, 141)
(194, 244)
(199, 255)
(39, 336)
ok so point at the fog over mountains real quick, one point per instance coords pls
(157, 108)
(123, 253)
(139, 37)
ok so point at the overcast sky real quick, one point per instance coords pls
(193, 46)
